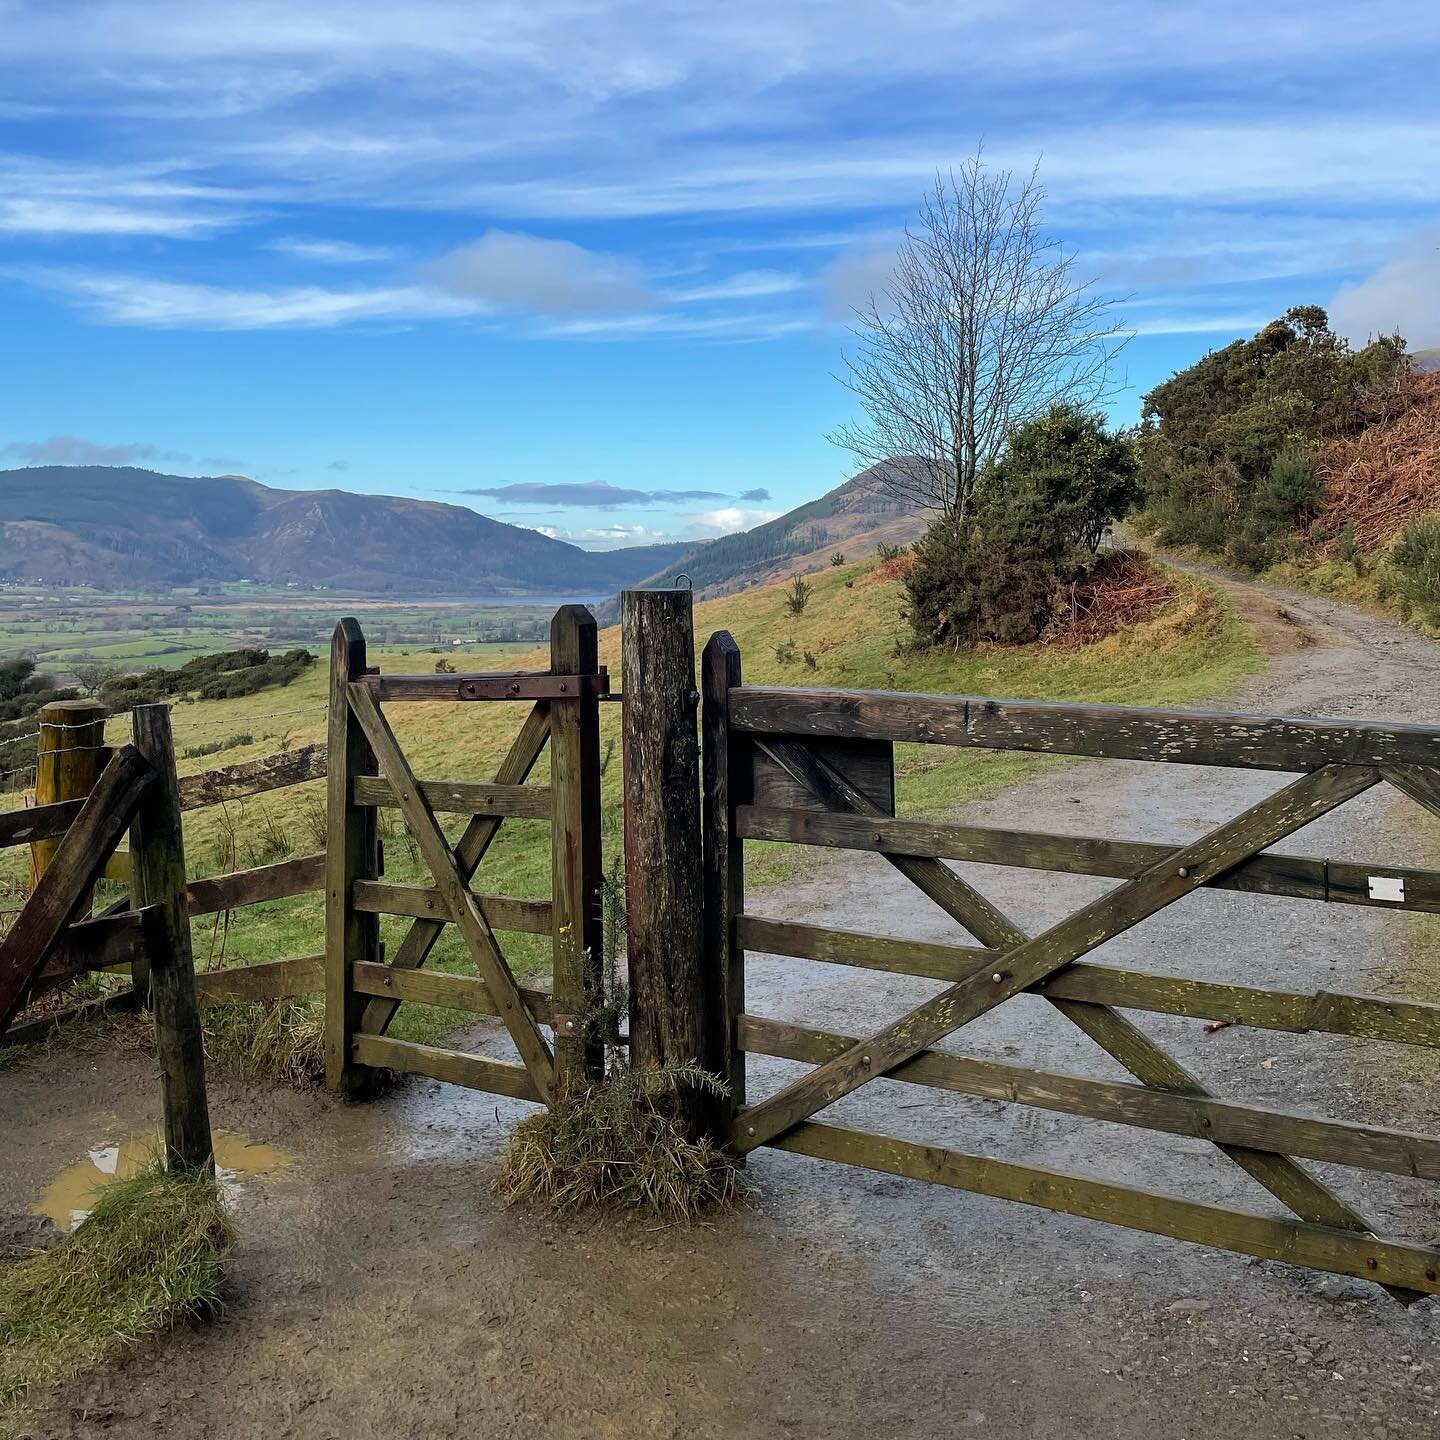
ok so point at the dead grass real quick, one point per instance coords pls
(1124, 589)
(618, 1146)
(1385, 476)
(276, 1041)
(150, 1255)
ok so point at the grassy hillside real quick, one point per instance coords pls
(850, 629)
(854, 519)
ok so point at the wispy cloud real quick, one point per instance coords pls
(331, 252)
(168, 305)
(74, 450)
(596, 494)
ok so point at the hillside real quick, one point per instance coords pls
(122, 527)
(855, 519)
(1195, 649)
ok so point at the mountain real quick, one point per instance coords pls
(1427, 362)
(855, 518)
(118, 527)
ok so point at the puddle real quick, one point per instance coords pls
(70, 1197)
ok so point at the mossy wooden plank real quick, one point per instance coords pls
(504, 912)
(1297, 876)
(295, 876)
(1115, 732)
(474, 1072)
(1366, 1147)
(437, 987)
(465, 797)
(1416, 1268)
(268, 980)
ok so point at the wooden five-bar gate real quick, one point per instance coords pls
(814, 767)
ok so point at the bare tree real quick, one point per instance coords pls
(983, 325)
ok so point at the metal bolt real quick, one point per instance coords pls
(563, 687)
(515, 688)
(1183, 872)
(997, 977)
(1371, 1263)
(749, 1129)
(865, 1061)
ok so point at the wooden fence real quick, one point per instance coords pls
(814, 767)
(801, 766)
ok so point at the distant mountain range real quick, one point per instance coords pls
(119, 527)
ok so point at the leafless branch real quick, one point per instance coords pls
(984, 324)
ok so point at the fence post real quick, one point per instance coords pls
(157, 887)
(662, 841)
(69, 756)
(576, 864)
(726, 778)
(352, 853)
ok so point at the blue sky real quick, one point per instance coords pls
(439, 248)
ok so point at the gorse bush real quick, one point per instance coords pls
(1415, 566)
(1038, 517)
(1227, 445)
(797, 594)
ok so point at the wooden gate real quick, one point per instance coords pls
(813, 767)
(368, 768)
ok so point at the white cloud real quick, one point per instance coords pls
(705, 524)
(167, 305)
(331, 252)
(511, 271)
(54, 216)
(852, 278)
(1402, 295)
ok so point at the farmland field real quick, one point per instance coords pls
(850, 635)
(64, 626)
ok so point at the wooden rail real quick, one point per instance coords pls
(1115, 732)
(1293, 876)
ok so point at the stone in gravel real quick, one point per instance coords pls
(1188, 1306)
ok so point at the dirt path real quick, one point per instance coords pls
(381, 1291)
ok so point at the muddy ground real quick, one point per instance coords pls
(380, 1290)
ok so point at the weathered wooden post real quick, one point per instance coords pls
(576, 862)
(726, 778)
(662, 842)
(157, 884)
(352, 853)
(70, 753)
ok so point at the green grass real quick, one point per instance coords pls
(855, 631)
(150, 1255)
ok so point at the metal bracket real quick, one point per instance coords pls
(533, 687)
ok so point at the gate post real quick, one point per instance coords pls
(157, 887)
(575, 857)
(726, 783)
(69, 756)
(352, 852)
(662, 841)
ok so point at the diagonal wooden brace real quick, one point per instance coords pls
(1089, 927)
(470, 848)
(464, 909)
(1286, 1179)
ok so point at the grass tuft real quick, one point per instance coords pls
(617, 1145)
(150, 1255)
(279, 1041)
